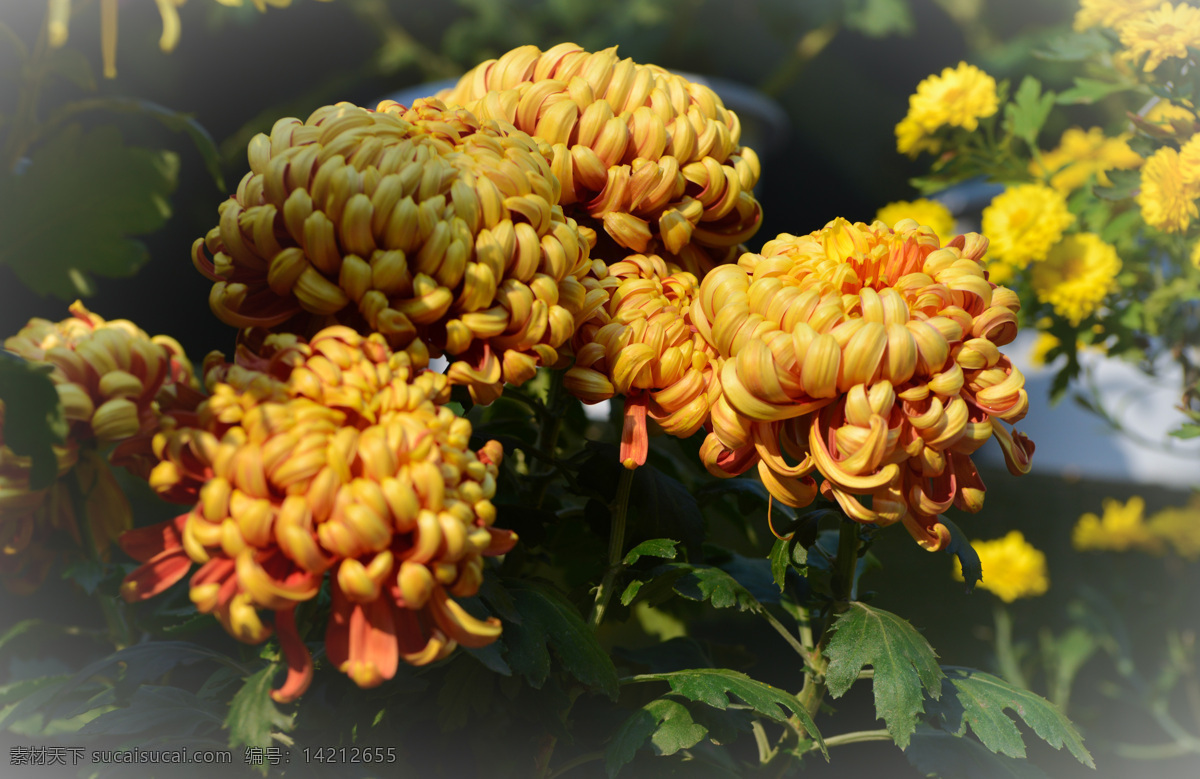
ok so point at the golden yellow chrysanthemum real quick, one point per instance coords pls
(418, 223)
(1021, 224)
(1170, 117)
(642, 345)
(652, 159)
(959, 97)
(1109, 13)
(1012, 567)
(1081, 155)
(1122, 527)
(872, 357)
(1168, 195)
(1076, 275)
(923, 211)
(1159, 34)
(332, 456)
(1179, 526)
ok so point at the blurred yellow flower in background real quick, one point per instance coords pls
(1122, 527)
(1179, 526)
(1022, 223)
(1083, 154)
(1012, 567)
(958, 97)
(923, 211)
(1169, 191)
(1162, 33)
(1109, 13)
(1170, 117)
(1076, 275)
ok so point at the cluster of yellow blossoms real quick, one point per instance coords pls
(923, 211)
(652, 157)
(1012, 567)
(113, 382)
(1125, 527)
(334, 455)
(959, 97)
(870, 356)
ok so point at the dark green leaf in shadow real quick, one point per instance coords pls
(667, 724)
(33, 417)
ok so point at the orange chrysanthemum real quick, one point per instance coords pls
(653, 158)
(335, 456)
(642, 345)
(419, 222)
(871, 357)
(113, 381)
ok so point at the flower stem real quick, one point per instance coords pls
(842, 582)
(857, 737)
(616, 545)
(118, 627)
(1005, 656)
(549, 430)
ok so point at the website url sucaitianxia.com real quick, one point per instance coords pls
(46, 756)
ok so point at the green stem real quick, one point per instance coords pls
(549, 431)
(575, 762)
(118, 627)
(857, 737)
(842, 582)
(1005, 656)
(800, 648)
(1152, 751)
(807, 48)
(616, 545)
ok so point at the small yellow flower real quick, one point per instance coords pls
(1179, 527)
(1023, 222)
(1076, 275)
(1161, 34)
(959, 97)
(1122, 527)
(1081, 155)
(1168, 194)
(1012, 567)
(926, 212)
(1109, 13)
(1044, 344)
(1170, 117)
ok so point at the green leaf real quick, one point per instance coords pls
(253, 716)
(466, 688)
(1088, 90)
(879, 18)
(549, 621)
(1186, 431)
(33, 421)
(73, 65)
(700, 583)
(657, 547)
(161, 709)
(935, 752)
(712, 687)
(903, 660)
(968, 558)
(1124, 184)
(1075, 47)
(666, 723)
(74, 210)
(1028, 111)
(781, 560)
(979, 699)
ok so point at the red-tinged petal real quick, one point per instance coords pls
(300, 664)
(635, 444)
(420, 643)
(927, 531)
(143, 543)
(502, 541)
(159, 573)
(361, 639)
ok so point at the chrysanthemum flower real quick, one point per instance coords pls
(959, 97)
(1077, 275)
(653, 158)
(1160, 34)
(1179, 526)
(642, 345)
(1081, 155)
(113, 381)
(1021, 224)
(1170, 118)
(414, 223)
(871, 357)
(1109, 13)
(1169, 192)
(334, 456)
(1012, 567)
(1122, 527)
(923, 211)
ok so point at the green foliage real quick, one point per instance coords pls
(979, 700)
(549, 621)
(961, 548)
(879, 18)
(713, 686)
(656, 547)
(33, 417)
(1028, 111)
(254, 719)
(666, 723)
(76, 207)
(902, 659)
(1088, 90)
